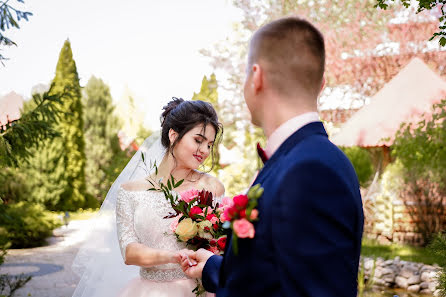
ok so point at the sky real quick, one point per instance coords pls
(150, 47)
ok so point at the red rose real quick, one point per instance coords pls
(243, 213)
(213, 242)
(230, 212)
(221, 242)
(194, 211)
(241, 201)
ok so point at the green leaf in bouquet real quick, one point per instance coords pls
(172, 181)
(169, 185)
(179, 183)
(199, 217)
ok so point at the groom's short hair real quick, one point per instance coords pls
(292, 51)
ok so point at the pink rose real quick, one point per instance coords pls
(188, 196)
(212, 218)
(241, 201)
(254, 214)
(244, 229)
(174, 224)
(227, 202)
(224, 218)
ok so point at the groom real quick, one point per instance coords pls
(308, 237)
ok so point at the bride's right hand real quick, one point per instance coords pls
(181, 255)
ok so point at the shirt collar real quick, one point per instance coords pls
(287, 129)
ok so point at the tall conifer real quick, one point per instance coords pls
(71, 127)
(100, 128)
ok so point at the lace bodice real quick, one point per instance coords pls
(139, 218)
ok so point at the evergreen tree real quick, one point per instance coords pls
(71, 129)
(99, 128)
(209, 93)
(56, 172)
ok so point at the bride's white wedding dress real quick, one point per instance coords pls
(140, 218)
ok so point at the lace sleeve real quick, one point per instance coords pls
(124, 220)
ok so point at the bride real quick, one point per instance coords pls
(107, 262)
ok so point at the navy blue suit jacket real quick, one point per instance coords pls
(308, 237)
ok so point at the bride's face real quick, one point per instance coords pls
(195, 146)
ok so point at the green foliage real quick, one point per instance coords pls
(422, 6)
(371, 248)
(364, 284)
(56, 171)
(421, 149)
(117, 163)
(99, 129)
(142, 134)
(27, 224)
(362, 162)
(438, 247)
(8, 20)
(13, 187)
(71, 130)
(35, 125)
(209, 93)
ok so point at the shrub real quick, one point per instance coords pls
(27, 225)
(362, 162)
(420, 148)
(13, 187)
(438, 246)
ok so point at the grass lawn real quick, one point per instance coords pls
(371, 248)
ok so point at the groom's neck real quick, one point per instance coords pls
(277, 111)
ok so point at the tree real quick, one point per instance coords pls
(344, 23)
(99, 130)
(420, 148)
(209, 93)
(19, 136)
(57, 172)
(438, 7)
(71, 130)
(7, 21)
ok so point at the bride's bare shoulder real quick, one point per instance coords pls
(137, 185)
(213, 184)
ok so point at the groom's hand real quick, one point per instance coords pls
(195, 271)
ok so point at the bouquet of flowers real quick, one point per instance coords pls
(197, 216)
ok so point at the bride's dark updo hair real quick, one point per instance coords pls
(182, 116)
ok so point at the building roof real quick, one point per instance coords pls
(10, 106)
(403, 99)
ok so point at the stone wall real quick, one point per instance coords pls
(387, 218)
(413, 277)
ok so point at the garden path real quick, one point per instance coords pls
(50, 266)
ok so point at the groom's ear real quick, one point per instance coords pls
(172, 135)
(257, 78)
(322, 84)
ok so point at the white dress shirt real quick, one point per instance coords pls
(287, 129)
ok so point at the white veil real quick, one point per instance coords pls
(99, 262)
